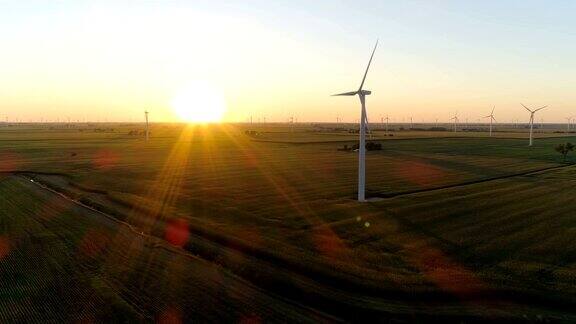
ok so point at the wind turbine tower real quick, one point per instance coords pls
(532, 112)
(568, 120)
(361, 93)
(147, 127)
(491, 116)
(387, 120)
(455, 119)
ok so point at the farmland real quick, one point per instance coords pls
(461, 226)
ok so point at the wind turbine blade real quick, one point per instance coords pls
(526, 107)
(492, 113)
(494, 119)
(540, 108)
(368, 67)
(351, 93)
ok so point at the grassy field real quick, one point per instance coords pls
(64, 263)
(321, 132)
(462, 226)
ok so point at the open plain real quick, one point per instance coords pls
(264, 224)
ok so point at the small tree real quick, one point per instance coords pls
(564, 149)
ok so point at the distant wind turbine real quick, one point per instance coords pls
(147, 128)
(491, 116)
(387, 119)
(455, 119)
(363, 121)
(568, 120)
(532, 112)
(368, 130)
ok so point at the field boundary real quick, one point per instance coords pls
(404, 139)
(464, 184)
(24, 172)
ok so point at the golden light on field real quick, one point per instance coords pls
(199, 102)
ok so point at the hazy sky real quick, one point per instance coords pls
(112, 59)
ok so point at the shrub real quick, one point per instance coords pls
(370, 146)
(250, 132)
(373, 146)
(564, 149)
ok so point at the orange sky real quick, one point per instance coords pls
(112, 60)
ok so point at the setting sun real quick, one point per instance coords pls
(199, 102)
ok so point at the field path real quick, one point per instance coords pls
(467, 183)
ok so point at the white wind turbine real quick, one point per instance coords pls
(455, 118)
(491, 116)
(363, 121)
(568, 121)
(532, 112)
(387, 119)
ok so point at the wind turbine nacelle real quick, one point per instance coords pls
(366, 92)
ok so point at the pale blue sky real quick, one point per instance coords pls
(108, 59)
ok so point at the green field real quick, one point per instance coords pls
(460, 227)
